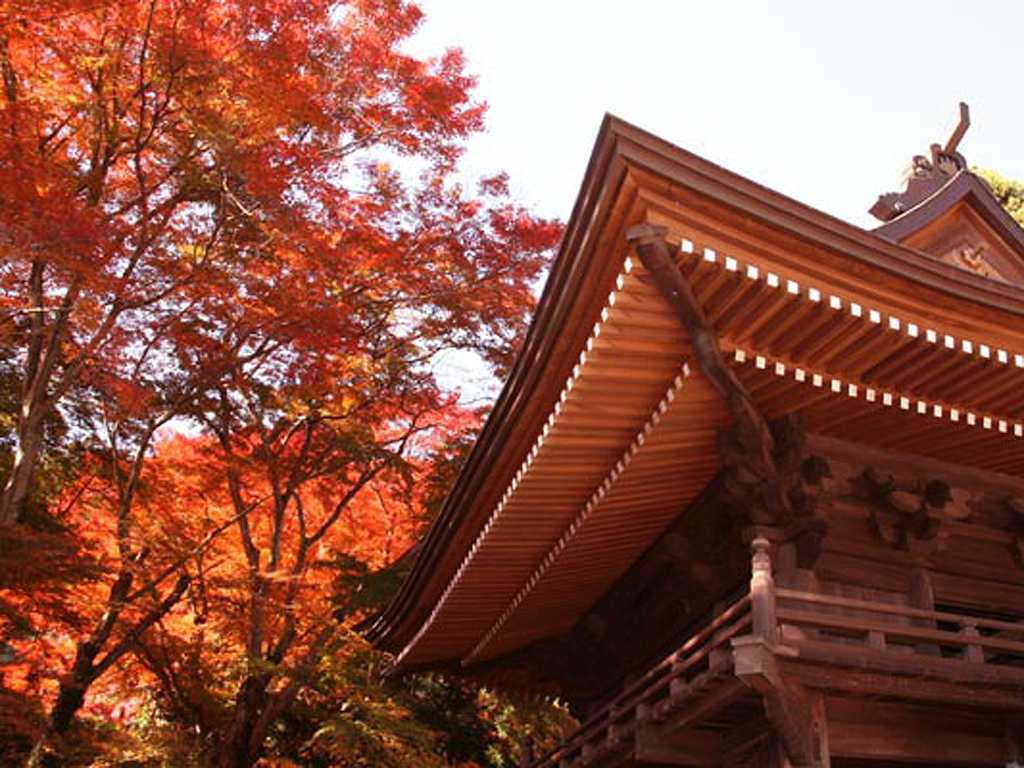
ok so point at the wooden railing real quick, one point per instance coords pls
(896, 636)
(704, 654)
(899, 628)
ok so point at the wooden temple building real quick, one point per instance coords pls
(753, 494)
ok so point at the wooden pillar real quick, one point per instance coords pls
(1014, 743)
(922, 595)
(762, 591)
(821, 752)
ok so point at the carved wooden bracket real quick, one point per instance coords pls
(912, 518)
(755, 452)
(799, 480)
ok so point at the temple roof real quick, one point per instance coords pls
(947, 211)
(606, 428)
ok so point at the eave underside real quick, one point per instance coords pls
(861, 350)
(603, 483)
(632, 431)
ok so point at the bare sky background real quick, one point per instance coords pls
(823, 101)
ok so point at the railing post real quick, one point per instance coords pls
(762, 591)
(972, 651)
(876, 640)
(719, 657)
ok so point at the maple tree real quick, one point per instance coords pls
(268, 624)
(236, 218)
(178, 174)
(314, 468)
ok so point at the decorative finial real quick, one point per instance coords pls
(956, 128)
(925, 176)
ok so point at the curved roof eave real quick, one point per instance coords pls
(556, 303)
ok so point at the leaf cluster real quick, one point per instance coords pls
(1010, 194)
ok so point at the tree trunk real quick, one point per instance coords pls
(73, 686)
(16, 490)
(240, 749)
(70, 698)
(85, 669)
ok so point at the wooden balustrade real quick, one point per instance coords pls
(670, 679)
(879, 626)
(779, 616)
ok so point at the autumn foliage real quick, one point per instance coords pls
(232, 246)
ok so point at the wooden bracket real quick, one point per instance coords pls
(909, 519)
(755, 461)
(799, 481)
(797, 714)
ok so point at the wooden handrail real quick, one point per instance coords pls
(673, 666)
(624, 707)
(834, 601)
(904, 632)
(670, 667)
(629, 699)
(716, 623)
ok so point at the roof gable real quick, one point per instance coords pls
(963, 224)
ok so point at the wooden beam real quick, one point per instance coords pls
(954, 474)
(797, 714)
(752, 735)
(875, 738)
(866, 728)
(861, 671)
(752, 430)
(729, 690)
(691, 747)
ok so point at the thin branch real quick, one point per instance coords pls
(149, 620)
(201, 547)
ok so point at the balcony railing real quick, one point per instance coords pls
(900, 629)
(694, 666)
(807, 625)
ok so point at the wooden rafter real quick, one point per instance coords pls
(752, 430)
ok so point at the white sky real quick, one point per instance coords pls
(822, 101)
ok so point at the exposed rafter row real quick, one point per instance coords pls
(876, 395)
(753, 272)
(499, 509)
(581, 517)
